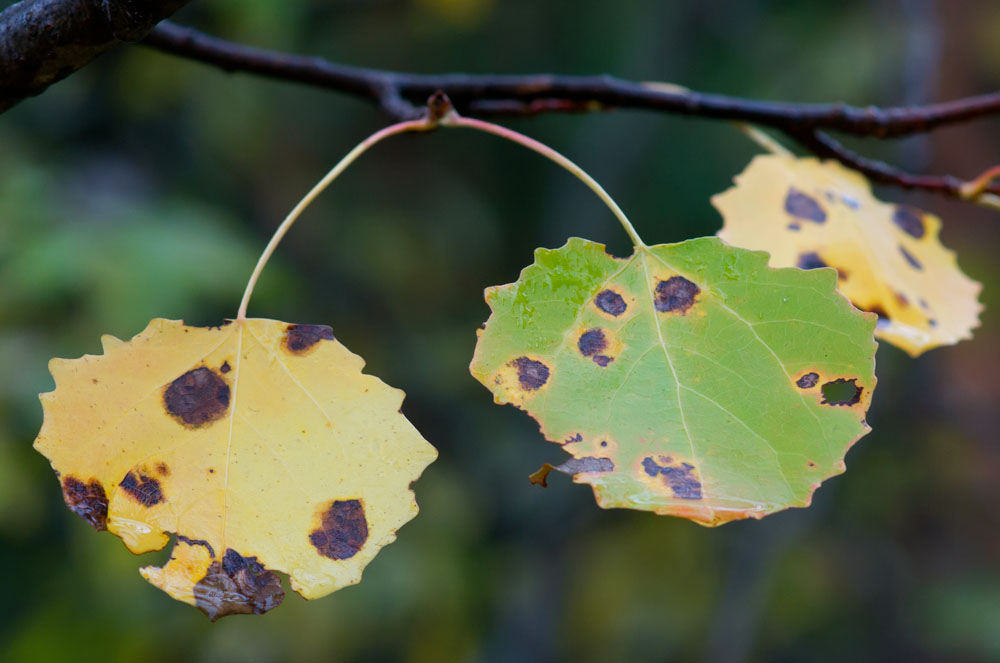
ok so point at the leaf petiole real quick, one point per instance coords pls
(453, 119)
(440, 114)
(362, 147)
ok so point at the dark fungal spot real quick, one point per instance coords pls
(923, 304)
(807, 381)
(573, 438)
(610, 302)
(604, 443)
(143, 489)
(803, 206)
(675, 294)
(87, 500)
(343, 531)
(909, 220)
(586, 465)
(681, 480)
(811, 464)
(530, 373)
(842, 391)
(197, 542)
(603, 360)
(301, 338)
(810, 261)
(914, 263)
(198, 397)
(932, 322)
(225, 368)
(237, 586)
(794, 226)
(591, 342)
(902, 299)
(162, 469)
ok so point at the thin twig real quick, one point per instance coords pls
(401, 95)
(544, 93)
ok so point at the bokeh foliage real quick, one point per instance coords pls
(144, 186)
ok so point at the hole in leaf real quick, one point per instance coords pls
(841, 392)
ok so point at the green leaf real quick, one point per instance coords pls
(690, 379)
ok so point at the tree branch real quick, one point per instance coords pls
(43, 41)
(822, 145)
(547, 93)
(401, 95)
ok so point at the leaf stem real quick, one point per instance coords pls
(453, 119)
(401, 127)
(763, 139)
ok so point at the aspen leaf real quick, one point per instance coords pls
(260, 445)
(690, 379)
(808, 214)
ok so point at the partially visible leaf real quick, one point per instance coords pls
(689, 379)
(809, 214)
(259, 444)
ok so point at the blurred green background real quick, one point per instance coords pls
(145, 186)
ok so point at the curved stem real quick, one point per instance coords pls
(361, 148)
(454, 120)
(763, 139)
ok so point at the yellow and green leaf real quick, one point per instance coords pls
(689, 379)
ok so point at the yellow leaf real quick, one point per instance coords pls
(259, 444)
(811, 214)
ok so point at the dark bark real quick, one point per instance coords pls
(43, 41)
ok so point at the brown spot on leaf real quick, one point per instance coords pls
(807, 381)
(237, 586)
(198, 397)
(87, 500)
(910, 220)
(610, 302)
(591, 342)
(843, 391)
(914, 263)
(676, 294)
(343, 531)
(803, 206)
(681, 478)
(603, 360)
(225, 368)
(163, 469)
(143, 489)
(531, 374)
(810, 261)
(301, 338)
